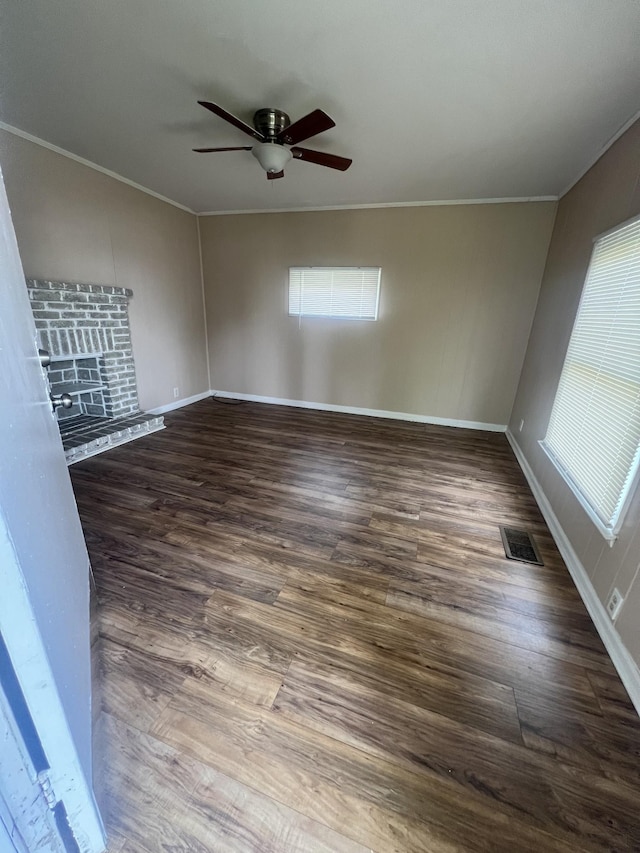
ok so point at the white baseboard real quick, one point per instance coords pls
(626, 666)
(355, 410)
(178, 404)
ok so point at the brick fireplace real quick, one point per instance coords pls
(85, 329)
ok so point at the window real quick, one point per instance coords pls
(345, 292)
(593, 435)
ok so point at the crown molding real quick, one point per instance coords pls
(616, 136)
(44, 144)
(440, 203)
(16, 131)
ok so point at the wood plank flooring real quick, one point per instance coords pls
(311, 641)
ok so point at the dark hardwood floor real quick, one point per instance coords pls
(312, 641)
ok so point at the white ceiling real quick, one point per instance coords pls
(433, 99)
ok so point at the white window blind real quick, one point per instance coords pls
(347, 292)
(594, 430)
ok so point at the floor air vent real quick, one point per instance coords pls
(519, 545)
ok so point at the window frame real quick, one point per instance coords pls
(348, 317)
(608, 531)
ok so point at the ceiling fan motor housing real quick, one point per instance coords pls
(269, 122)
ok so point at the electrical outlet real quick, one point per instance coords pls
(176, 391)
(614, 604)
(521, 425)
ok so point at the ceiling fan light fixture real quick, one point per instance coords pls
(272, 156)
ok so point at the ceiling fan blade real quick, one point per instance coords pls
(236, 122)
(306, 127)
(271, 176)
(322, 158)
(210, 150)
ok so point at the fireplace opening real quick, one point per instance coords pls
(81, 377)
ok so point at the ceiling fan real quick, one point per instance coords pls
(273, 132)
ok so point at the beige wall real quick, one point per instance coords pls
(74, 223)
(607, 195)
(459, 289)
